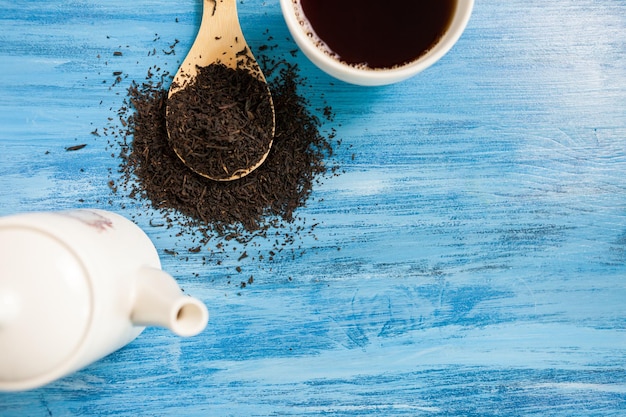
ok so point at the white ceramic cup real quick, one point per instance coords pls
(76, 286)
(301, 32)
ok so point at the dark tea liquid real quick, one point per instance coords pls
(379, 34)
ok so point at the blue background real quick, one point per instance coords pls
(470, 258)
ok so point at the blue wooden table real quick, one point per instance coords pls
(470, 258)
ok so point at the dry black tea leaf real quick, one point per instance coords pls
(75, 147)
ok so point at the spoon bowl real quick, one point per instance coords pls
(220, 41)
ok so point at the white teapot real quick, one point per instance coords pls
(76, 286)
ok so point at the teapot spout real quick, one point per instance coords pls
(159, 301)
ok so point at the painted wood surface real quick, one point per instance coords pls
(470, 258)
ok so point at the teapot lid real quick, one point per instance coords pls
(45, 305)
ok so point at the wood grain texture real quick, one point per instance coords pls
(469, 260)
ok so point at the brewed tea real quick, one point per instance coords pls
(375, 34)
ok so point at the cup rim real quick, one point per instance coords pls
(374, 77)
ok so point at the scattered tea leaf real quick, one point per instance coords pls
(75, 147)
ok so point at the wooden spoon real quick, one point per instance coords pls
(220, 40)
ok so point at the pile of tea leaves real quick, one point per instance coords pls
(222, 123)
(152, 174)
